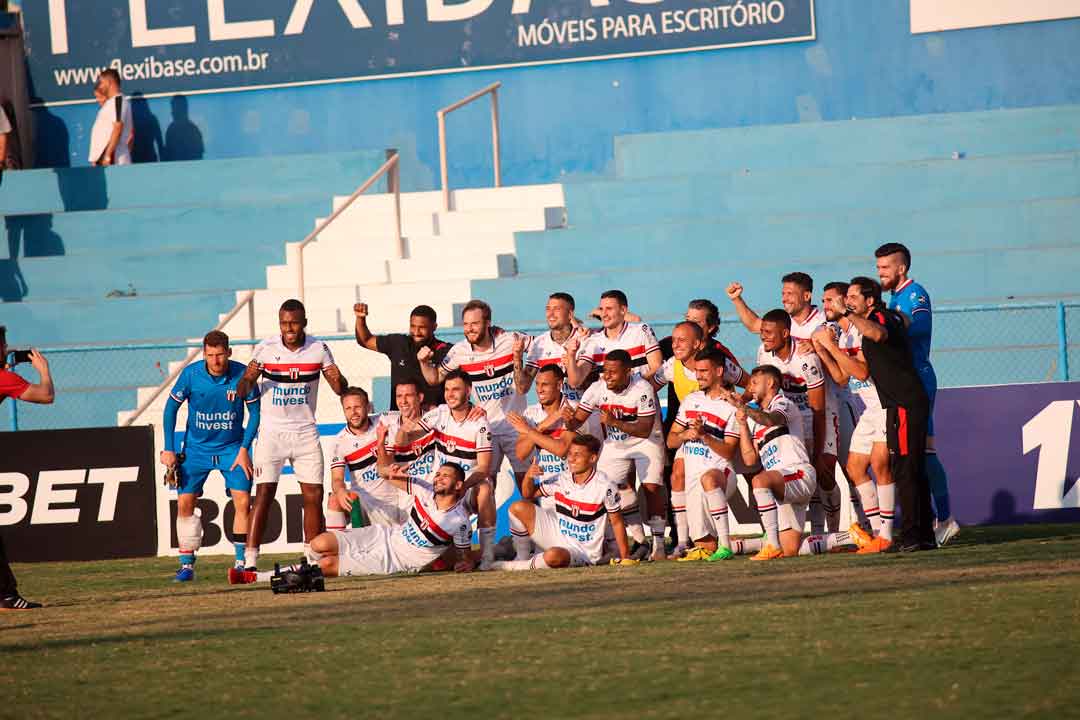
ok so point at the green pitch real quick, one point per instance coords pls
(988, 628)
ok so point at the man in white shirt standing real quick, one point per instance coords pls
(113, 132)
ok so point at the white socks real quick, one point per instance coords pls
(628, 499)
(657, 525)
(887, 499)
(868, 495)
(678, 508)
(770, 518)
(336, 520)
(718, 509)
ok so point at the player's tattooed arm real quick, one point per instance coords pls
(746, 443)
(680, 434)
(248, 380)
(523, 375)
(827, 350)
(870, 329)
(577, 369)
(335, 379)
(573, 418)
(725, 447)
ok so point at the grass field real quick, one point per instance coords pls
(987, 628)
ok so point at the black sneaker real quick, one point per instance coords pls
(17, 602)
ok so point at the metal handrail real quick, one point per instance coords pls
(249, 301)
(392, 166)
(493, 89)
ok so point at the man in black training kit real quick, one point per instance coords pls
(15, 387)
(401, 348)
(907, 406)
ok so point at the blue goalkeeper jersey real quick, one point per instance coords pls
(215, 420)
(912, 299)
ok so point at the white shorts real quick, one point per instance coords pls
(546, 535)
(300, 448)
(364, 551)
(647, 459)
(698, 517)
(869, 430)
(503, 440)
(800, 484)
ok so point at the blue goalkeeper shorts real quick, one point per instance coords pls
(197, 466)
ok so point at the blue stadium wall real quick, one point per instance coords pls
(559, 120)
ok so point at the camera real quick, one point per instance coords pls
(18, 356)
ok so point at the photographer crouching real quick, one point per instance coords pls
(42, 393)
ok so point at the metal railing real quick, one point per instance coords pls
(247, 301)
(973, 345)
(493, 90)
(392, 169)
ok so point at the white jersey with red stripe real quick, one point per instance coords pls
(636, 400)
(780, 447)
(491, 372)
(550, 463)
(462, 442)
(357, 453)
(428, 531)
(416, 455)
(637, 339)
(718, 420)
(865, 390)
(582, 508)
(801, 374)
(803, 330)
(544, 351)
(290, 382)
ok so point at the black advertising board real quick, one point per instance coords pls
(84, 494)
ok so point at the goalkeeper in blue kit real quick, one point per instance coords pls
(215, 439)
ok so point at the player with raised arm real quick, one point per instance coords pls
(437, 523)
(571, 533)
(804, 385)
(912, 299)
(844, 360)
(287, 369)
(632, 438)
(796, 296)
(354, 472)
(486, 358)
(787, 481)
(401, 349)
(618, 333)
(459, 435)
(707, 438)
(214, 439)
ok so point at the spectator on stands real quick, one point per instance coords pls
(401, 348)
(113, 133)
(15, 387)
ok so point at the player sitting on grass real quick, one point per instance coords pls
(571, 534)
(437, 521)
(707, 436)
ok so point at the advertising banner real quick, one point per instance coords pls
(164, 47)
(77, 494)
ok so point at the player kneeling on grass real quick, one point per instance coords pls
(706, 432)
(770, 433)
(438, 521)
(572, 533)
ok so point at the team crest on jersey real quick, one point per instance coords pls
(294, 373)
(489, 370)
(574, 510)
(230, 395)
(451, 445)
